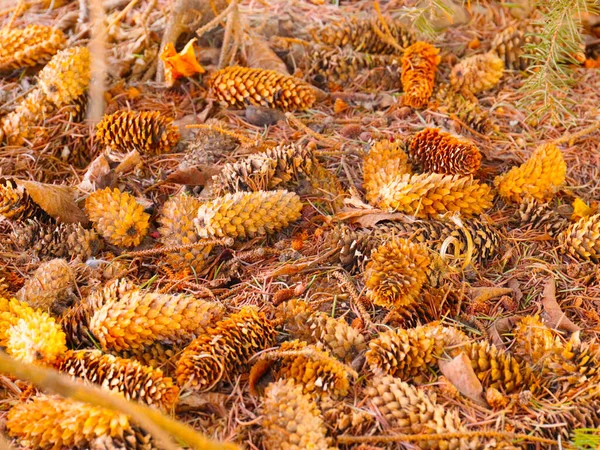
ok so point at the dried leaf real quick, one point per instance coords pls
(194, 401)
(182, 64)
(192, 176)
(261, 116)
(130, 162)
(581, 209)
(257, 372)
(96, 175)
(57, 201)
(485, 293)
(501, 327)
(554, 315)
(461, 374)
(260, 55)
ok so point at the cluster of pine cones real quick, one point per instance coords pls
(325, 311)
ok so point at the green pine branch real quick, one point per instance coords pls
(586, 438)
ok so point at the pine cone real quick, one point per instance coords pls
(419, 67)
(533, 341)
(509, 46)
(242, 214)
(291, 420)
(354, 247)
(410, 410)
(224, 350)
(428, 195)
(54, 423)
(161, 355)
(117, 217)
(265, 171)
(385, 161)
(326, 185)
(240, 86)
(149, 132)
(575, 363)
(542, 216)
(207, 147)
(135, 381)
(396, 273)
(318, 372)
(466, 108)
(345, 418)
(51, 287)
(177, 228)
(440, 152)
(11, 311)
(16, 204)
(24, 122)
(477, 73)
(29, 46)
(582, 239)
(538, 177)
(139, 319)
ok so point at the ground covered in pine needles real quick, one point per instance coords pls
(305, 268)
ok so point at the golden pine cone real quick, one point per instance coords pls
(343, 417)
(538, 177)
(353, 247)
(477, 73)
(117, 217)
(291, 419)
(386, 160)
(575, 362)
(50, 288)
(11, 311)
(266, 170)
(158, 355)
(248, 214)
(428, 195)
(16, 204)
(24, 123)
(176, 221)
(137, 319)
(419, 67)
(29, 46)
(466, 107)
(149, 132)
(54, 423)
(240, 86)
(440, 152)
(135, 381)
(318, 372)
(224, 350)
(411, 410)
(405, 353)
(533, 340)
(582, 239)
(396, 273)
(542, 216)
(509, 46)
(326, 185)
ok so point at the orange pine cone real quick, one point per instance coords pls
(419, 67)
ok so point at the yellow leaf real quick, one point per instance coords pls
(581, 209)
(182, 64)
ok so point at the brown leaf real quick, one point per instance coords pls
(97, 175)
(460, 373)
(484, 293)
(261, 116)
(260, 55)
(194, 401)
(500, 327)
(192, 176)
(257, 372)
(57, 201)
(554, 315)
(130, 162)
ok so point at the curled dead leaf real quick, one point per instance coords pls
(192, 176)
(182, 64)
(97, 175)
(553, 314)
(485, 293)
(260, 55)
(461, 374)
(57, 201)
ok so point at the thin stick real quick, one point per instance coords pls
(18, 11)
(298, 124)
(573, 137)
(214, 22)
(97, 48)
(226, 242)
(123, 13)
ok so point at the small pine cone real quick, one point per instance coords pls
(419, 67)
(24, 123)
(477, 73)
(326, 185)
(135, 381)
(50, 287)
(440, 152)
(509, 46)
(411, 410)
(496, 399)
(385, 161)
(56, 423)
(291, 420)
(466, 108)
(207, 147)
(149, 132)
(117, 217)
(575, 362)
(139, 319)
(406, 353)
(318, 372)
(224, 350)
(345, 418)
(265, 171)
(538, 177)
(246, 215)
(354, 247)
(429, 195)
(396, 273)
(29, 46)
(66, 76)
(582, 239)
(240, 86)
(176, 221)
(542, 216)
(16, 204)
(533, 341)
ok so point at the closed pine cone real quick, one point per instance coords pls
(16, 204)
(385, 161)
(29, 46)
(353, 247)
(477, 73)
(419, 67)
(582, 239)
(509, 46)
(466, 107)
(543, 216)
(533, 341)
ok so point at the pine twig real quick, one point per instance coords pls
(225, 242)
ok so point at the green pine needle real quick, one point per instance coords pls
(586, 438)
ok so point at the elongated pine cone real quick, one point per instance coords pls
(543, 216)
(538, 177)
(477, 73)
(176, 221)
(248, 214)
(509, 46)
(354, 247)
(149, 132)
(440, 152)
(419, 67)
(137, 319)
(117, 217)
(405, 353)
(534, 341)
(386, 160)
(132, 379)
(291, 419)
(54, 423)
(428, 195)
(582, 239)
(266, 170)
(16, 204)
(223, 351)
(240, 86)
(396, 273)
(411, 410)
(11, 311)
(29, 46)
(466, 107)
(50, 288)
(314, 368)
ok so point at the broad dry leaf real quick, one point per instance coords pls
(554, 315)
(260, 55)
(57, 201)
(129, 162)
(461, 374)
(501, 327)
(485, 293)
(96, 175)
(198, 175)
(182, 64)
